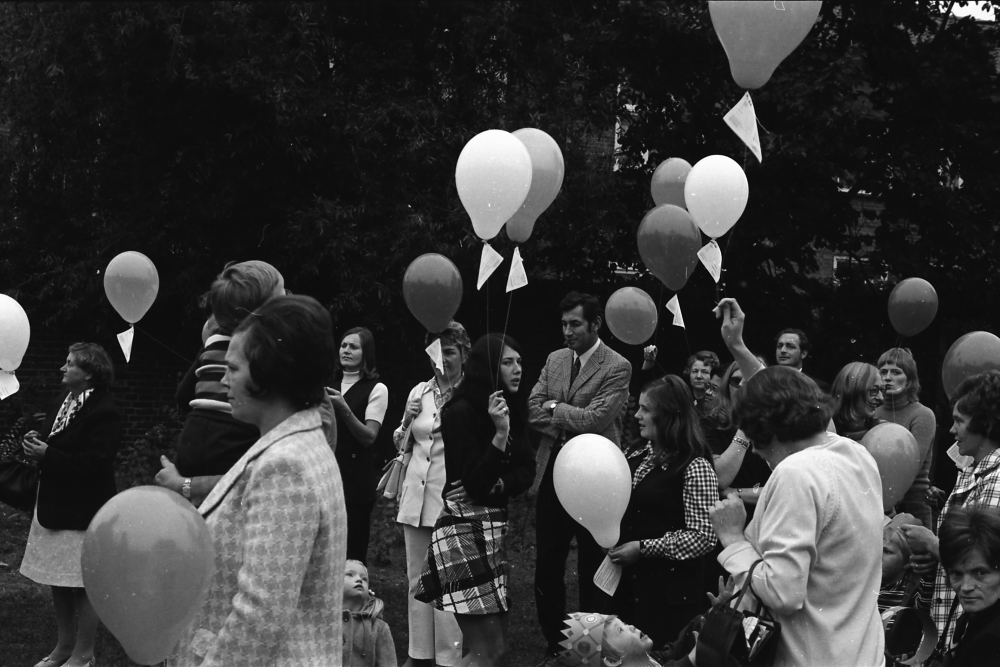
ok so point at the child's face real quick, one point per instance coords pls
(892, 562)
(356, 581)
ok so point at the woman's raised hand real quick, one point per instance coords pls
(499, 412)
(733, 318)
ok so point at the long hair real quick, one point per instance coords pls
(678, 438)
(482, 379)
(850, 394)
(368, 369)
(903, 358)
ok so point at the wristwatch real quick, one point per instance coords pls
(186, 488)
(552, 406)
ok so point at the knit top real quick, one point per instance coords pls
(921, 422)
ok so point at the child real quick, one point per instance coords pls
(904, 598)
(367, 640)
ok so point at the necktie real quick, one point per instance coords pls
(576, 371)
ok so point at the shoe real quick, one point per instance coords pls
(49, 662)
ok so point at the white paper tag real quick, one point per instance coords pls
(517, 277)
(8, 384)
(711, 257)
(488, 263)
(674, 306)
(608, 576)
(961, 462)
(434, 352)
(742, 120)
(125, 340)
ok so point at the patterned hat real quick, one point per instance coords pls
(583, 639)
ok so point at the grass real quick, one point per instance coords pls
(28, 630)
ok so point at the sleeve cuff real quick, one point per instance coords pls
(737, 558)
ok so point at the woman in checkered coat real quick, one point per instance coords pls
(487, 460)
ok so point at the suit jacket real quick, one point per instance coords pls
(594, 403)
(76, 475)
(280, 534)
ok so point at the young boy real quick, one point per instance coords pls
(904, 598)
(367, 640)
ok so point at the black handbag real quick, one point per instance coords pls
(18, 475)
(734, 638)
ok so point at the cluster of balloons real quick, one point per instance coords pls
(131, 283)
(14, 333)
(594, 484)
(147, 562)
(432, 289)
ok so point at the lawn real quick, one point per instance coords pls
(27, 624)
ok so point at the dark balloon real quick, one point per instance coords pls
(913, 304)
(668, 244)
(970, 355)
(897, 455)
(432, 289)
(631, 315)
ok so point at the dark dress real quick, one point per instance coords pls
(357, 469)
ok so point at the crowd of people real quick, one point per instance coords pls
(742, 471)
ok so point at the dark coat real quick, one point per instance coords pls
(76, 475)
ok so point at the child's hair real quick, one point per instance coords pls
(241, 289)
(355, 562)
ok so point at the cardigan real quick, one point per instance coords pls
(420, 500)
(76, 475)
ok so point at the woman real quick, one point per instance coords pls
(902, 386)
(976, 428)
(666, 527)
(857, 394)
(277, 517)
(970, 554)
(487, 461)
(75, 451)
(359, 402)
(434, 635)
(817, 531)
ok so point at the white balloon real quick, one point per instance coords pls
(716, 193)
(593, 482)
(14, 333)
(493, 176)
(547, 171)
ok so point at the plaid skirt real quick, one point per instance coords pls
(466, 567)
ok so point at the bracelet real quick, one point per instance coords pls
(186, 488)
(739, 492)
(742, 442)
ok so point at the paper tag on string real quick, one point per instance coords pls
(674, 306)
(517, 277)
(742, 120)
(961, 462)
(434, 352)
(608, 576)
(125, 340)
(8, 384)
(711, 257)
(488, 263)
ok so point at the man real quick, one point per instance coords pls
(582, 389)
(698, 372)
(791, 349)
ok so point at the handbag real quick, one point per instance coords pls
(394, 472)
(734, 638)
(18, 475)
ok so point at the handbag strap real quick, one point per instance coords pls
(941, 646)
(748, 584)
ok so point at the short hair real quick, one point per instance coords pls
(92, 358)
(592, 308)
(288, 343)
(679, 438)
(804, 344)
(705, 357)
(968, 529)
(368, 368)
(241, 289)
(356, 562)
(902, 357)
(453, 334)
(780, 403)
(850, 385)
(978, 398)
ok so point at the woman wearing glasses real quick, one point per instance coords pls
(857, 392)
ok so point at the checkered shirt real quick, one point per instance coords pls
(978, 485)
(701, 490)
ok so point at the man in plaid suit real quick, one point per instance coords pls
(582, 389)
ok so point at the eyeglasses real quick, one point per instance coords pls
(875, 391)
(735, 381)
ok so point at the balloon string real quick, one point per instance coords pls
(496, 383)
(659, 299)
(166, 347)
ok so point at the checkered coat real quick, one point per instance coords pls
(280, 532)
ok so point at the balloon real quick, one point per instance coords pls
(668, 245)
(667, 185)
(493, 176)
(547, 170)
(147, 562)
(432, 289)
(898, 457)
(757, 36)
(970, 355)
(716, 193)
(14, 333)
(594, 484)
(631, 314)
(131, 283)
(913, 304)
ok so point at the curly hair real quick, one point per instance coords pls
(780, 403)
(903, 358)
(850, 393)
(92, 358)
(707, 357)
(968, 529)
(679, 438)
(978, 398)
(453, 334)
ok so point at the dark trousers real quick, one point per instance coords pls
(554, 530)
(359, 529)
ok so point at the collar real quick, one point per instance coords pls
(989, 462)
(585, 357)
